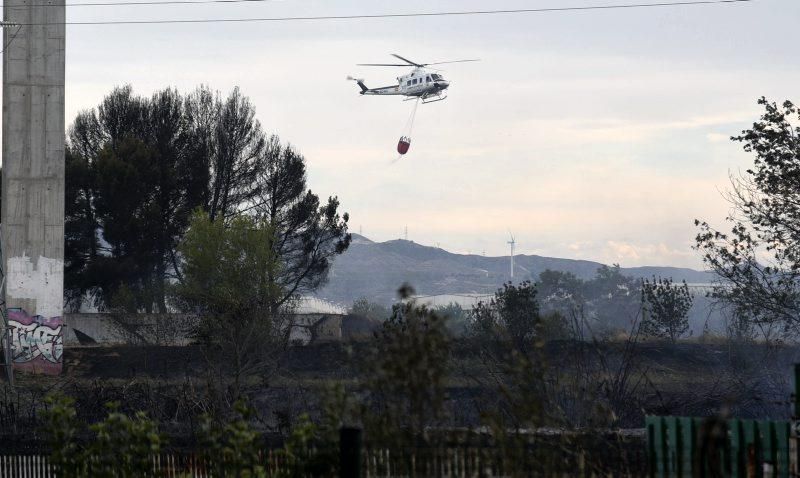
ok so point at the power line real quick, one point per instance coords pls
(389, 15)
(143, 2)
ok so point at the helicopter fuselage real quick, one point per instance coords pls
(419, 83)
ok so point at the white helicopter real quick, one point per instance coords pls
(420, 83)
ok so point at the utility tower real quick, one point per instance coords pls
(32, 230)
(512, 242)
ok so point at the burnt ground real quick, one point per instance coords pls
(685, 379)
(690, 378)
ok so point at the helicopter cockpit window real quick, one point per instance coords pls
(436, 77)
(427, 79)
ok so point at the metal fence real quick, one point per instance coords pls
(474, 462)
(686, 447)
(444, 462)
(169, 465)
(33, 466)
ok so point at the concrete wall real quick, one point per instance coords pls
(90, 329)
(119, 329)
(309, 328)
(33, 173)
(176, 329)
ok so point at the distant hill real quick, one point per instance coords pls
(376, 269)
(676, 273)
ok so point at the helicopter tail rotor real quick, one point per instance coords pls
(360, 82)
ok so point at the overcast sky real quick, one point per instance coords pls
(597, 135)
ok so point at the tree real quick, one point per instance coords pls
(508, 337)
(560, 288)
(609, 299)
(81, 244)
(238, 153)
(758, 261)
(666, 308)
(136, 169)
(406, 371)
(562, 299)
(370, 310)
(613, 298)
(512, 314)
(129, 174)
(308, 234)
(227, 281)
(457, 318)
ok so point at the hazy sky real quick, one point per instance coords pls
(597, 135)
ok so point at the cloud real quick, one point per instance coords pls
(579, 246)
(655, 253)
(631, 253)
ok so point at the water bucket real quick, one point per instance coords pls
(403, 145)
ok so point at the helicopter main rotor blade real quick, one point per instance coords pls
(445, 62)
(407, 60)
(411, 63)
(381, 64)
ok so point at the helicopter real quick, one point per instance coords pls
(420, 84)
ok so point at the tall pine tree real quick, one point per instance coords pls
(138, 167)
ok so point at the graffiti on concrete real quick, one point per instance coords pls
(37, 343)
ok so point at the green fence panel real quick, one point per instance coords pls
(738, 469)
(767, 429)
(726, 451)
(674, 444)
(688, 436)
(656, 446)
(752, 451)
(688, 447)
(782, 459)
(711, 453)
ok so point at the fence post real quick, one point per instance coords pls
(350, 452)
(794, 433)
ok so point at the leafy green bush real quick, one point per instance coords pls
(232, 448)
(121, 446)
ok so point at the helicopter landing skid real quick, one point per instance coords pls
(433, 98)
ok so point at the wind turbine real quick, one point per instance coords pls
(512, 242)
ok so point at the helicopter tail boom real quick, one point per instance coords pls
(384, 90)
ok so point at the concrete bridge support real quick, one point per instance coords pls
(33, 180)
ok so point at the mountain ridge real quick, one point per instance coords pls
(376, 270)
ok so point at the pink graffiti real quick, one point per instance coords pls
(37, 343)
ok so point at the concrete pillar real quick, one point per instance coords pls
(33, 180)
